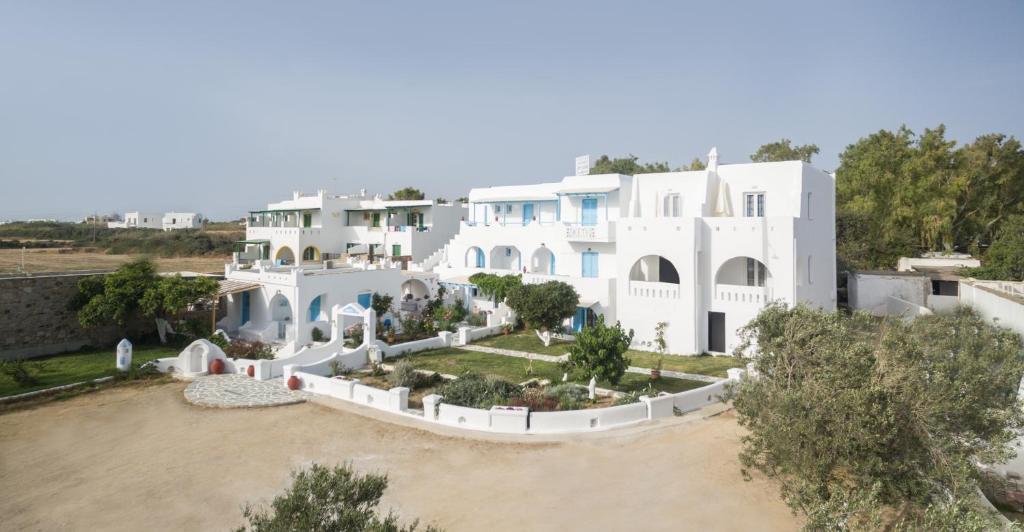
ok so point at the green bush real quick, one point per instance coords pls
(318, 335)
(254, 350)
(404, 375)
(23, 372)
(477, 391)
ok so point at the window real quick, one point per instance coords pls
(396, 250)
(753, 204)
(314, 309)
(508, 252)
(810, 280)
(809, 217)
(945, 288)
(756, 272)
(310, 253)
(589, 264)
(672, 207)
(589, 215)
(307, 219)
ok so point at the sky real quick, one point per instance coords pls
(221, 107)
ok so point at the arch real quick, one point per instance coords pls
(506, 258)
(311, 254)
(316, 310)
(280, 308)
(743, 271)
(542, 261)
(284, 256)
(415, 289)
(654, 269)
(475, 258)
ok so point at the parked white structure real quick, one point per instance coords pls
(306, 254)
(147, 220)
(182, 220)
(703, 250)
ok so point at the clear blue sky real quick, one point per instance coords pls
(223, 106)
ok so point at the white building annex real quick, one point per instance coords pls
(306, 254)
(703, 250)
(154, 220)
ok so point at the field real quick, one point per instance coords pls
(53, 260)
(82, 366)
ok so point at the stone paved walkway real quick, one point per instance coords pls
(239, 391)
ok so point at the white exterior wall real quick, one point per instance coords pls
(181, 220)
(871, 291)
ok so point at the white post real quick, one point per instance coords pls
(124, 355)
(592, 388)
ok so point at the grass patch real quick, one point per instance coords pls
(82, 366)
(455, 361)
(525, 341)
(698, 364)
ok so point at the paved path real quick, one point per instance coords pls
(239, 391)
(551, 358)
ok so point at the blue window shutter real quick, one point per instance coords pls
(589, 264)
(364, 300)
(527, 213)
(589, 211)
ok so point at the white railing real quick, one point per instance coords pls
(599, 232)
(758, 295)
(654, 290)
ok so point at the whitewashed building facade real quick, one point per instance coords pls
(703, 250)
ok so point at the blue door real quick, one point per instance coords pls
(364, 299)
(527, 213)
(589, 264)
(479, 258)
(245, 308)
(552, 270)
(589, 211)
(579, 319)
(314, 309)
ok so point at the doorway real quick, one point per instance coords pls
(716, 332)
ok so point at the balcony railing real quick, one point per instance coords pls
(654, 290)
(729, 293)
(598, 232)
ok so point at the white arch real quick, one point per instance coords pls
(415, 288)
(743, 271)
(285, 255)
(475, 258)
(542, 261)
(654, 268)
(506, 258)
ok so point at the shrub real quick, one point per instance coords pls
(404, 375)
(318, 335)
(569, 396)
(355, 333)
(24, 373)
(599, 351)
(254, 350)
(322, 498)
(477, 319)
(477, 391)
(337, 368)
(219, 341)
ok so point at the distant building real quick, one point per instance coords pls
(182, 220)
(147, 220)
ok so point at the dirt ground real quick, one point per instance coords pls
(52, 260)
(143, 459)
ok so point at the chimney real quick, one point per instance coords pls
(713, 160)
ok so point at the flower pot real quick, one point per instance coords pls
(294, 383)
(217, 366)
(250, 371)
(655, 374)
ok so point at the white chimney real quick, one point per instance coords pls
(713, 159)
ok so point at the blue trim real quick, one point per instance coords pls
(364, 299)
(245, 308)
(589, 215)
(589, 266)
(314, 309)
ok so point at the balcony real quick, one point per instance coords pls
(730, 293)
(598, 232)
(653, 290)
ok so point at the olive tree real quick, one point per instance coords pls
(870, 423)
(543, 306)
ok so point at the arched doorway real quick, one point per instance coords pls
(542, 261)
(284, 256)
(281, 313)
(475, 258)
(311, 254)
(743, 271)
(506, 258)
(415, 289)
(654, 269)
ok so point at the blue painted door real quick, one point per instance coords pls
(552, 270)
(589, 264)
(245, 308)
(364, 299)
(314, 309)
(527, 213)
(579, 319)
(589, 211)
(479, 258)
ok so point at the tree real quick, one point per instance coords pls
(543, 306)
(323, 499)
(599, 351)
(627, 165)
(1004, 260)
(495, 286)
(407, 193)
(783, 151)
(169, 296)
(462, 199)
(695, 164)
(381, 304)
(872, 425)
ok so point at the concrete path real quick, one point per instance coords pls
(240, 391)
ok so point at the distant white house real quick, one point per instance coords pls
(148, 220)
(182, 220)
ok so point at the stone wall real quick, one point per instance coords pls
(35, 319)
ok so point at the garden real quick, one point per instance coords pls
(22, 376)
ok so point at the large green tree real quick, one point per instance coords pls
(899, 194)
(543, 306)
(783, 150)
(1004, 260)
(407, 193)
(600, 351)
(879, 425)
(627, 165)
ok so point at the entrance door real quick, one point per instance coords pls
(281, 329)
(589, 211)
(527, 213)
(579, 319)
(716, 332)
(245, 308)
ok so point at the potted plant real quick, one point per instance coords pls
(656, 370)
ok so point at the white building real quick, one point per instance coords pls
(182, 220)
(303, 255)
(701, 250)
(147, 220)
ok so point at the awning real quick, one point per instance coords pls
(586, 303)
(228, 287)
(587, 190)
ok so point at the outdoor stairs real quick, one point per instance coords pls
(435, 258)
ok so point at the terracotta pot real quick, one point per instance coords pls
(250, 371)
(217, 366)
(294, 383)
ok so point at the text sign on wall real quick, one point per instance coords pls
(583, 165)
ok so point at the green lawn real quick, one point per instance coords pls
(454, 361)
(82, 366)
(525, 341)
(699, 364)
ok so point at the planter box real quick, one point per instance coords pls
(509, 418)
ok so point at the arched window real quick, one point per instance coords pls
(284, 256)
(654, 269)
(311, 254)
(314, 309)
(475, 257)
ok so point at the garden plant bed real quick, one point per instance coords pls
(526, 341)
(381, 383)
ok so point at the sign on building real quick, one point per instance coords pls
(583, 165)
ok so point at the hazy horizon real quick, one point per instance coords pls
(221, 108)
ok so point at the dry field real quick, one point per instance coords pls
(55, 260)
(140, 458)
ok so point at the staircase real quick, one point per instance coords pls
(439, 256)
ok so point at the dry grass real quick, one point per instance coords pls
(58, 260)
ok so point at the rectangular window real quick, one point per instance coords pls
(589, 216)
(307, 219)
(589, 264)
(756, 272)
(809, 217)
(508, 252)
(753, 204)
(672, 207)
(396, 250)
(376, 219)
(527, 213)
(810, 279)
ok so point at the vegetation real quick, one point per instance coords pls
(543, 306)
(84, 365)
(326, 499)
(404, 374)
(381, 304)
(252, 350)
(898, 194)
(627, 165)
(180, 243)
(783, 151)
(24, 373)
(1004, 260)
(495, 286)
(317, 334)
(476, 390)
(407, 193)
(599, 351)
(870, 424)
(526, 342)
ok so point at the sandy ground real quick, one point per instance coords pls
(143, 459)
(50, 260)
